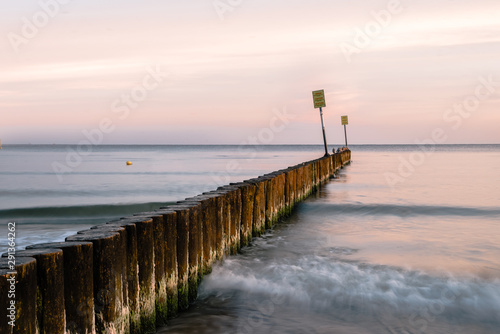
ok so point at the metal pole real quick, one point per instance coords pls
(345, 133)
(323, 127)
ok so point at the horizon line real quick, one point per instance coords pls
(321, 144)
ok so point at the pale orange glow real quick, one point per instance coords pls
(231, 73)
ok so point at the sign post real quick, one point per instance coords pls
(344, 123)
(319, 102)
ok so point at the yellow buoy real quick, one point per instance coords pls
(129, 163)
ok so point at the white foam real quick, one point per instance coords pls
(325, 285)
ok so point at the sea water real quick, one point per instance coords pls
(52, 191)
(405, 239)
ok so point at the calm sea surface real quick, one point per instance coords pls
(402, 241)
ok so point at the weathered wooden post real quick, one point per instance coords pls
(208, 218)
(233, 201)
(187, 251)
(21, 314)
(78, 284)
(161, 303)
(132, 268)
(221, 223)
(171, 271)
(194, 246)
(50, 289)
(259, 206)
(108, 280)
(247, 191)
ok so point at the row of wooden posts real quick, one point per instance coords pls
(133, 274)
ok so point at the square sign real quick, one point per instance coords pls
(344, 120)
(319, 98)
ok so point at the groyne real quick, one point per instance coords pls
(132, 274)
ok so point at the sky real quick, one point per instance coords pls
(243, 71)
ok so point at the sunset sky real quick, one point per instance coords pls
(220, 71)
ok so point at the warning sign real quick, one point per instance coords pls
(319, 98)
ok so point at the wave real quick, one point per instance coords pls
(101, 210)
(355, 290)
(399, 210)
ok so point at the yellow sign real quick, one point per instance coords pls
(344, 120)
(319, 98)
